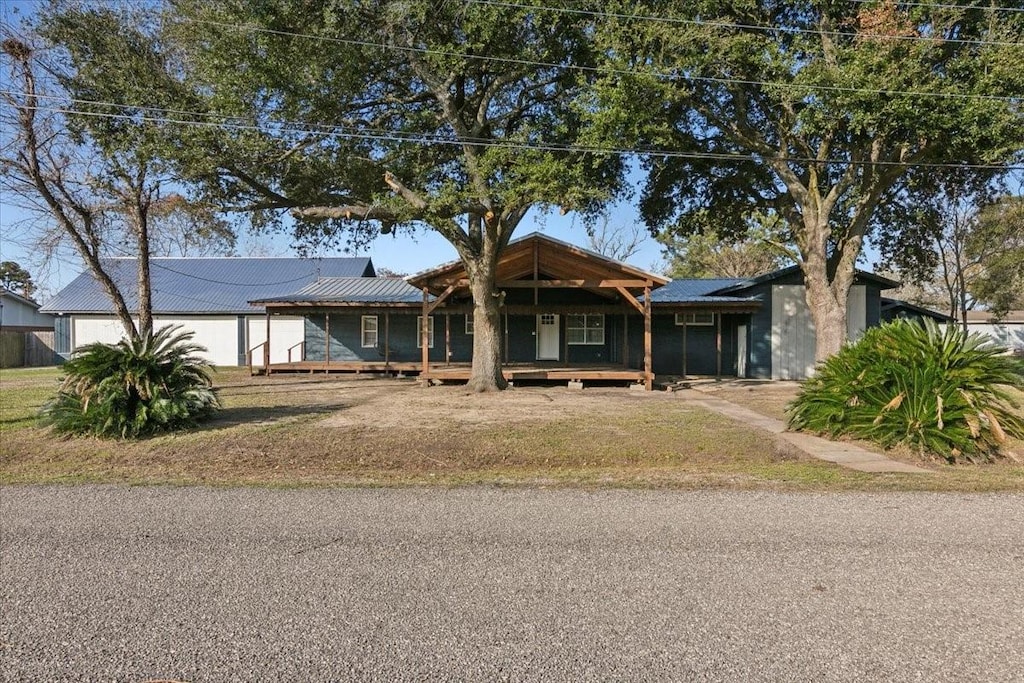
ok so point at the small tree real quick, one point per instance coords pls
(616, 242)
(16, 279)
(962, 245)
(1000, 284)
(708, 254)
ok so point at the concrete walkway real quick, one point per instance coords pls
(845, 454)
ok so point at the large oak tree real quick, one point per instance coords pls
(361, 118)
(812, 111)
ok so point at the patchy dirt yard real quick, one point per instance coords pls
(364, 430)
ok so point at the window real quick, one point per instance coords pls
(695, 318)
(369, 331)
(469, 323)
(419, 332)
(585, 329)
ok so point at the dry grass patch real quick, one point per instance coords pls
(359, 430)
(287, 430)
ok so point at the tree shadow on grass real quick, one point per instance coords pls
(269, 415)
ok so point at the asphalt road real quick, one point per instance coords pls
(133, 584)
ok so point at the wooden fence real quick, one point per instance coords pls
(26, 349)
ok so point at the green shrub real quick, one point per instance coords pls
(939, 391)
(134, 388)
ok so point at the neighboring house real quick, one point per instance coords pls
(569, 313)
(897, 309)
(206, 295)
(1007, 331)
(26, 335)
(21, 314)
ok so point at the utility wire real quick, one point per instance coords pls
(601, 69)
(614, 70)
(426, 139)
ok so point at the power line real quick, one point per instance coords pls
(732, 25)
(613, 70)
(426, 139)
(602, 69)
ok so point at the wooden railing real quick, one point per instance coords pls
(266, 357)
(302, 351)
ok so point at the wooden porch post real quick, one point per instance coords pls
(447, 339)
(648, 364)
(425, 356)
(327, 342)
(625, 340)
(684, 345)
(387, 339)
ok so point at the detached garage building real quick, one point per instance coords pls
(209, 296)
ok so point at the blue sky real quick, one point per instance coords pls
(401, 253)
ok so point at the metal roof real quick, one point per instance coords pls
(692, 290)
(888, 305)
(364, 290)
(19, 298)
(204, 285)
(860, 276)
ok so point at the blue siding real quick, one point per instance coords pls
(701, 345)
(62, 336)
(873, 306)
(759, 363)
(521, 338)
(346, 338)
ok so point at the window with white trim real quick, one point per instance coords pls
(419, 332)
(469, 323)
(699, 318)
(584, 329)
(368, 331)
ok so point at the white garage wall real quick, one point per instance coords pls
(285, 332)
(219, 334)
(92, 329)
(1010, 335)
(793, 337)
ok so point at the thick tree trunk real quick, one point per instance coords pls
(826, 299)
(486, 374)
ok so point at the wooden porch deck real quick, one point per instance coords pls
(460, 372)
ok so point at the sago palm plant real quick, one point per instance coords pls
(132, 388)
(940, 391)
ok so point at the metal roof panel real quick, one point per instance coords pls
(204, 285)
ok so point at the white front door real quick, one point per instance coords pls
(547, 336)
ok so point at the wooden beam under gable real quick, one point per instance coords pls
(632, 300)
(440, 299)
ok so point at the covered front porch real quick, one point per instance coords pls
(460, 372)
(566, 313)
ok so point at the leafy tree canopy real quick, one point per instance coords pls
(16, 279)
(360, 118)
(810, 110)
(961, 243)
(707, 254)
